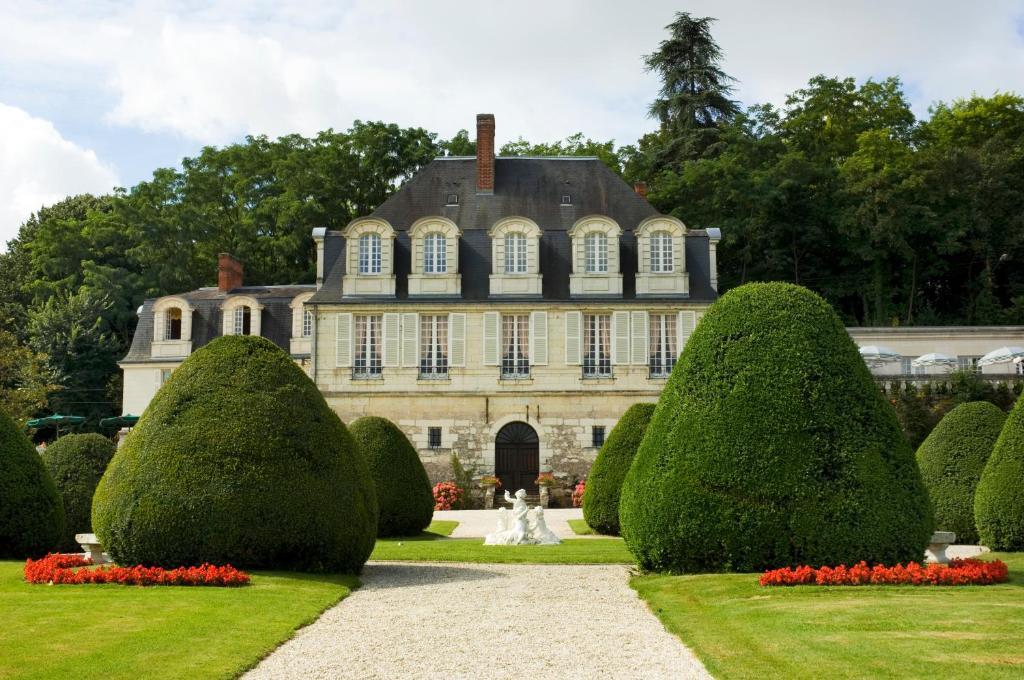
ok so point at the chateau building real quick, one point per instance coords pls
(508, 310)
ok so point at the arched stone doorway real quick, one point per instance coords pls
(517, 457)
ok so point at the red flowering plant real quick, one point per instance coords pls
(966, 572)
(73, 569)
(446, 495)
(577, 494)
(545, 479)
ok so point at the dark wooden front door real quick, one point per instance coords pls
(517, 458)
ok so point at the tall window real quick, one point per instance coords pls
(435, 254)
(172, 326)
(663, 349)
(661, 252)
(515, 346)
(515, 253)
(595, 247)
(597, 349)
(968, 363)
(243, 320)
(366, 362)
(307, 323)
(433, 346)
(369, 254)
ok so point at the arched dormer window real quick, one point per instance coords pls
(369, 258)
(302, 324)
(595, 257)
(172, 327)
(515, 257)
(242, 315)
(435, 258)
(661, 257)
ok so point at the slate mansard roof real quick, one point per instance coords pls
(524, 187)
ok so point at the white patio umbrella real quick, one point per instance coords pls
(1003, 355)
(876, 354)
(934, 359)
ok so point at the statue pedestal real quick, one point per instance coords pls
(488, 498)
(545, 495)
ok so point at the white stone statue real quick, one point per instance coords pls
(540, 531)
(517, 529)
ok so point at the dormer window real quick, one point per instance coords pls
(435, 254)
(369, 254)
(515, 258)
(302, 325)
(434, 242)
(566, 199)
(243, 320)
(172, 327)
(596, 246)
(451, 199)
(661, 252)
(369, 258)
(241, 316)
(595, 257)
(515, 253)
(307, 323)
(661, 258)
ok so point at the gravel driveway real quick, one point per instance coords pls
(430, 620)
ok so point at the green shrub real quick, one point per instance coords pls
(772, 446)
(31, 512)
(951, 461)
(999, 498)
(238, 459)
(604, 483)
(76, 463)
(403, 489)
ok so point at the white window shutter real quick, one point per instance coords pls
(620, 338)
(538, 338)
(573, 340)
(640, 337)
(343, 340)
(687, 322)
(410, 340)
(457, 340)
(492, 324)
(390, 337)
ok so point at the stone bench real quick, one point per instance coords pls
(936, 551)
(93, 550)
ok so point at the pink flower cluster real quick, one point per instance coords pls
(577, 494)
(446, 495)
(967, 572)
(71, 569)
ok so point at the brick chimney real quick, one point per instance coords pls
(485, 153)
(641, 189)
(229, 273)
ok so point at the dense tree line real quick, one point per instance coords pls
(892, 219)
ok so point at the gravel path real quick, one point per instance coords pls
(429, 620)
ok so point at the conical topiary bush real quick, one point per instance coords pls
(31, 512)
(999, 498)
(76, 462)
(604, 483)
(952, 459)
(772, 446)
(238, 459)
(404, 497)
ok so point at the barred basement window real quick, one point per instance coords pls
(515, 346)
(663, 344)
(433, 346)
(434, 437)
(597, 436)
(597, 351)
(367, 360)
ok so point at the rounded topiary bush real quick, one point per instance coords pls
(952, 459)
(604, 483)
(238, 459)
(404, 496)
(31, 512)
(772, 446)
(76, 463)
(999, 498)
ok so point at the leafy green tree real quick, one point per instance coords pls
(573, 145)
(25, 383)
(459, 145)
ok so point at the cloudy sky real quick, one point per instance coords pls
(97, 94)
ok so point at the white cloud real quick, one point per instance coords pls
(39, 167)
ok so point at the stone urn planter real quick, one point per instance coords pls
(489, 497)
(545, 496)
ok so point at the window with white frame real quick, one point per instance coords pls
(597, 345)
(172, 324)
(369, 254)
(663, 351)
(433, 345)
(366, 360)
(243, 320)
(307, 323)
(515, 346)
(968, 363)
(435, 254)
(661, 253)
(515, 253)
(595, 247)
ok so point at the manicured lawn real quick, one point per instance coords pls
(741, 630)
(580, 527)
(572, 551)
(110, 631)
(442, 527)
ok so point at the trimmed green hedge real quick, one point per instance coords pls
(604, 483)
(952, 459)
(238, 459)
(31, 512)
(404, 495)
(999, 498)
(772, 446)
(76, 462)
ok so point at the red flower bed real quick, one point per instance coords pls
(71, 569)
(577, 494)
(446, 496)
(967, 572)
